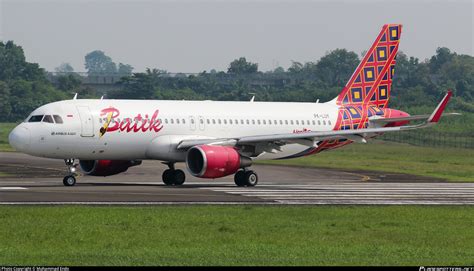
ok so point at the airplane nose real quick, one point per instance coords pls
(19, 138)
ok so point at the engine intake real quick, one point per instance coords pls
(207, 161)
(106, 167)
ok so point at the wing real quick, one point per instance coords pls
(274, 141)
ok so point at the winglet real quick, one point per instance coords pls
(436, 115)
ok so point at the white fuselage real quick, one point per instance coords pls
(79, 135)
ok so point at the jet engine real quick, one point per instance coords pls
(207, 161)
(106, 167)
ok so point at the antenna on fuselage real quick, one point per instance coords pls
(317, 101)
(253, 97)
(75, 96)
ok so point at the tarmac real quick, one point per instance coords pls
(28, 180)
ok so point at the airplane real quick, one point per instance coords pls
(218, 138)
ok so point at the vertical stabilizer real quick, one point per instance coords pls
(372, 80)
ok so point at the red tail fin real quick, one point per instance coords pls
(372, 80)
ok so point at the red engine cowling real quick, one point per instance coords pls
(206, 161)
(106, 167)
(394, 113)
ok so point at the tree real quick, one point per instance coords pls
(64, 68)
(69, 82)
(242, 66)
(5, 107)
(443, 55)
(96, 62)
(336, 67)
(125, 69)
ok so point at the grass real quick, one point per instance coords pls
(5, 129)
(451, 164)
(237, 235)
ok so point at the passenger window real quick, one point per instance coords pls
(264, 122)
(241, 121)
(281, 122)
(307, 122)
(166, 121)
(58, 119)
(253, 122)
(225, 121)
(36, 118)
(201, 121)
(219, 121)
(291, 121)
(48, 119)
(177, 121)
(184, 121)
(208, 122)
(297, 122)
(329, 122)
(171, 121)
(230, 121)
(319, 122)
(324, 122)
(248, 122)
(213, 121)
(314, 123)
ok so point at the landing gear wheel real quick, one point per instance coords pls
(179, 177)
(69, 180)
(168, 177)
(250, 178)
(174, 177)
(239, 178)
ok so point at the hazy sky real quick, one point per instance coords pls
(192, 36)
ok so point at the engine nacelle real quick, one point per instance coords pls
(106, 167)
(394, 113)
(207, 161)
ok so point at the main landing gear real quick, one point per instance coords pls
(173, 176)
(70, 179)
(246, 178)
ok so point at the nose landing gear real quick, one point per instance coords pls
(173, 176)
(70, 179)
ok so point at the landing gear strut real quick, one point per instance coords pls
(70, 179)
(173, 176)
(246, 178)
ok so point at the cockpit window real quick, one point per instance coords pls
(36, 118)
(48, 118)
(58, 119)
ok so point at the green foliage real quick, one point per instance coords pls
(64, 68)
(23, 85)
(96, 62)
(68, 82)
(242, 66)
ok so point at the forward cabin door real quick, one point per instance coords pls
(87, 123)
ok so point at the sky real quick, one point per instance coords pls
(193, 36)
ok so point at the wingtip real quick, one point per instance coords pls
(437, 113)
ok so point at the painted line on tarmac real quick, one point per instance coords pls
(13, 188)
(280, 202)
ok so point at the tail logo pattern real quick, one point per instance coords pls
(372, 80)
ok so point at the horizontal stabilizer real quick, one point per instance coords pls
(410, 118)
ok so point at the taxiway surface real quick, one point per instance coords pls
(30, 180)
